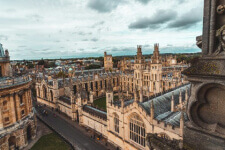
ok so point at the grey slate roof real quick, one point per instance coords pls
(65, 99)
(95, 112)
(162, 103)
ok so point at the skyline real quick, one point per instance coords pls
(65, 28)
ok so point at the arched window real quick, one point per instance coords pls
(4, 105)
(38, 92)
(21, 99)
(116, 123)
(51, 95)
(44, 92)
(74, 89)
(137, 130)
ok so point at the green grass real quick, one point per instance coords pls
(51, 142)
(101, 102)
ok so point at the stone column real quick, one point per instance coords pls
(1, 119)
(18, 110)
(12, 108)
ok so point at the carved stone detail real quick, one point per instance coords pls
(220, 9)
(220, 34)
(207, 110)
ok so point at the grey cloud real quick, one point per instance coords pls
(160, 17)
(3, 38)
(143, 1)
(103, 6)
(81, 49)
(94, 39)
(82, 33)
(22, 46)
(97, 24)
(85, 40)
(188, 19)
(35, 17)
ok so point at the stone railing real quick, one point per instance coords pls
(3, 59)
(12, 81)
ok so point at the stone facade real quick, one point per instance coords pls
(206, 128)
(151, 77)
(17, 121)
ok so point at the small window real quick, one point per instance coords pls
(21, 99)
(7, 119)
(4, 103)
(22, 112)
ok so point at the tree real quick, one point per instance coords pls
(92, 66)
(30, 65)
(61, 75)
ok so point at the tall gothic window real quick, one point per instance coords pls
(137, 130)
(21, 99)
(51, 95)
(44, 92)
(116, 123)
(74, 89)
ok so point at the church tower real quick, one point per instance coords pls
(156, 71)
(138, 68)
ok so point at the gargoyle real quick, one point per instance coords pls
(220, 35)
(199, 41)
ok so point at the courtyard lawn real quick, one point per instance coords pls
(101, 102)
(51, 142)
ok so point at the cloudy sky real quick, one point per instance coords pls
(34, 29)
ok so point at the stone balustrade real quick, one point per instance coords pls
(12, 81)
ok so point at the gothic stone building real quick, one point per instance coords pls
(128, 119)
(17, 121)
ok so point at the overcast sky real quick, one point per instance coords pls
(33, 29)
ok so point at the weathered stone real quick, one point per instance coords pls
(206, 128)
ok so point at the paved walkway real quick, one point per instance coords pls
(42, 129)
(75, 134)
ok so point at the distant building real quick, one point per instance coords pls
(108, 62)
(17, 121)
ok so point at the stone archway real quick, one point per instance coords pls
(29, 133)
(12, 143)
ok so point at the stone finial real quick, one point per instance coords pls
(141, 94)
(186, 94)
(152, 111)
(182, 123)
(122, 102)
(135, 95)
(172, 102)
(180, 97)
